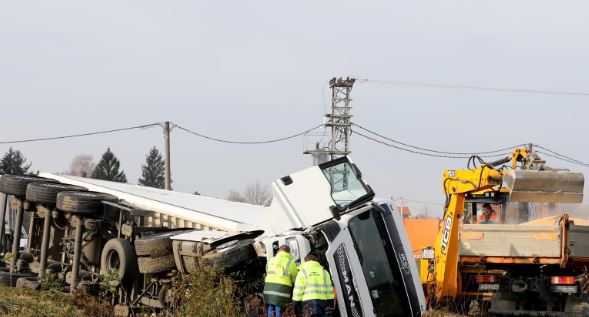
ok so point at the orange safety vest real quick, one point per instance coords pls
(492, 218)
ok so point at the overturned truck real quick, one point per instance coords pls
(87, 232)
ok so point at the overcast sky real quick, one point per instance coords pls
(251, 70)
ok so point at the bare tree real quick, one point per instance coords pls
(82, 165)
(255, 194)
(235, 196)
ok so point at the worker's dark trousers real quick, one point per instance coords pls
(312, 310)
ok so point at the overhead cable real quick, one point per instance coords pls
(561, 156)
(246, 142)
(452, 86)
(436, 151)
(403, 199)
(563, 159)
(143, 126)
(423, 153)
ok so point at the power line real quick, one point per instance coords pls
(418, 201)
(423, 153)
(561, 156)
(246, 142)
(436, 151)
(143, 126)
(564, 159)
(468, 87)
(444, 155)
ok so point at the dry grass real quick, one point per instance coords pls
(441, 313)
(22, 302)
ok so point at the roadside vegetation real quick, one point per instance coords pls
(22, 302)
(204, 293)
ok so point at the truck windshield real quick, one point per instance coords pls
(379, 265)
(346, 185)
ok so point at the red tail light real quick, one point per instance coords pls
(563, 280)
(486, 279)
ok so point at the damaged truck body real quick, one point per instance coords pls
(86, 231)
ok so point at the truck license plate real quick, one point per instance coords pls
(427, 254)
(488, 287)
(569, 289)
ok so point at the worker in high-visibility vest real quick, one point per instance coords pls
(313, 291)
(281, 272)
(489, 215)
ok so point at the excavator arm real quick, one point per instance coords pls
(528, 181)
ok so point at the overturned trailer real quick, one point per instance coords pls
(144, 237)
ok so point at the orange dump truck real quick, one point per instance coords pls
(422, 232)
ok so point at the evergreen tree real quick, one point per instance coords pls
(108, 168)
(153, 170)
(14, 162)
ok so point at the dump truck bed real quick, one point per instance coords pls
(534, 242)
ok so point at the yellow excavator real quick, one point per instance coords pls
(497, 258)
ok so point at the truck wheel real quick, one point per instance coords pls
(8, 279)
(118, 256)
(46, 193)
(156, 245)
(156, 265)
(85, 203)
(17, 184)
(225, 258)
(31, 282)
(576, 305)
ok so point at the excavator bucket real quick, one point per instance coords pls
(545, 186)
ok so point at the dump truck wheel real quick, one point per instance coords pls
(8, 279)
(85, 203)
(31, 282)
(156, 245)
(17, 184)
(46, 193)
(156, 265)
(118, 256)
(576, 305)
(225, 258)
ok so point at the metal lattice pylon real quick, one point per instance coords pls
(339, 120)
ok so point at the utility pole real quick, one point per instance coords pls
(168, 176)
(338, 121)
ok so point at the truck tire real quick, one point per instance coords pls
(31, 282)
(118, 255)
(225, 258)
(84, 203)
(8, 279)
(156, 265)
(17, 184)
(46, 193)
(577, 306)
(156, 245)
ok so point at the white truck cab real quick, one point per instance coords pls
(361, 239)
(329, 210)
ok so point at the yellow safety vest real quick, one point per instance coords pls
(313, 283)
(281, 272)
